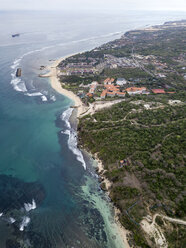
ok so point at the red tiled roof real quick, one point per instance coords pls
(133, 89)
(111, 87)
(106, 80)
(89, 94)
(158, 91)
(104, 92)
(109, 80)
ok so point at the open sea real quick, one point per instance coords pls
(49, 192)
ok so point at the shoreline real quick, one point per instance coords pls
(77, 112)
(121, 229)
(57, 86)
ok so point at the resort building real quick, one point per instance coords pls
(103, 94)
(111, 94)
(135, 90)
(121, 81)
(93, 87)
(111, 87)
(109, 80)
(158, 91)
(121, 94)
(112, 91)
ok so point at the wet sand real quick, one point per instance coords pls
(57, 85)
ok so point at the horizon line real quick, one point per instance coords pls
(93, 9)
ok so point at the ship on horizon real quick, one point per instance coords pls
(15, 35)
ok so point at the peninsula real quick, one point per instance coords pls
(130, 95)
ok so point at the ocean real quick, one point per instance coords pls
(49, 192)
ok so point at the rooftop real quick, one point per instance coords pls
(134, 89)
(158, 91)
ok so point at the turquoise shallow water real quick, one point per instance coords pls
(41, 169)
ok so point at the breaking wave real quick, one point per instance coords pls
(17, 83)
(12, 220)
(30, 206)
(16, 63)
(72, 137)
(53, 98)
(24, 223)
(44, 98)
(34, 94)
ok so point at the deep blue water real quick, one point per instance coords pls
(39, 161)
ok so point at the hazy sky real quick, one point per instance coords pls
(94, 4)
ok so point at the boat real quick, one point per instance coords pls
(15, 35)
(18, 72)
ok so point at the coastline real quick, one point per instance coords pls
(77, 112)
(79, 106)
(57, 86)
(121, 230)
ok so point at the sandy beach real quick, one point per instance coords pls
(56, 85)
(81, 108)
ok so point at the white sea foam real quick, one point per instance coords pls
(45, 92)
(30, 206)
(25, 222)
(34, 94)
(15, 81)
(72, 140)
(12, 220)
(66, 116)
(53, 98)
(21, 87)
(15, 63)
(96, 37)
(111, 34)
(72, 143)
(18, 84)
(32, 84)
(44, 98)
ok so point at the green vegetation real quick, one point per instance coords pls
(156, 117)
(176, 237)
(129, 73)
(77, 80)
(153, 143)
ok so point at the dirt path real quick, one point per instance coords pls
(99, 105)
(150, 226)
(178, 221)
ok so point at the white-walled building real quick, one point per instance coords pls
(121, 81)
